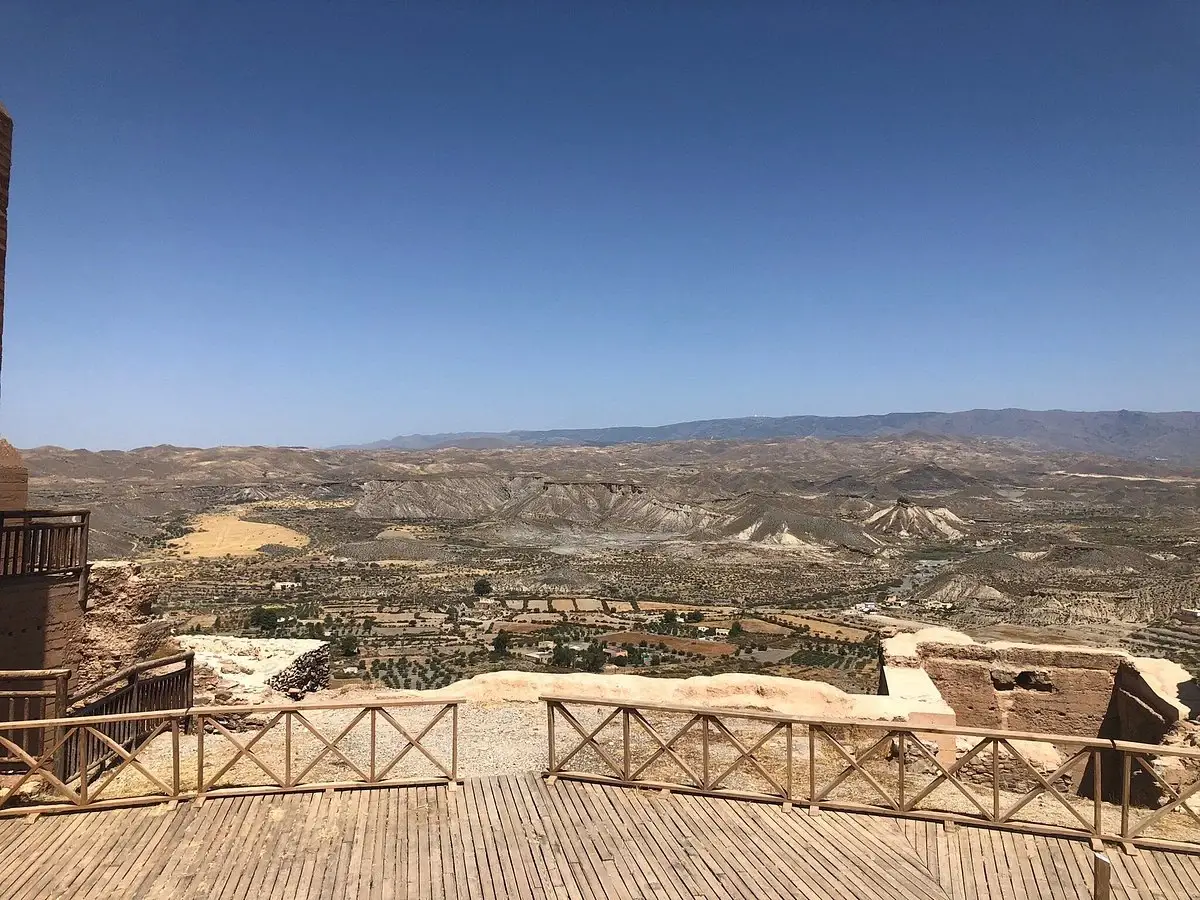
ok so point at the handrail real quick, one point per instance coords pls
(19, 702)
(955, 730)
(210, 736)
(29, 547)
(42, 513)
(29, 674)
(186, 656)
(244, 709)
(896, 767)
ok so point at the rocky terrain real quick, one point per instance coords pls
(383, 549)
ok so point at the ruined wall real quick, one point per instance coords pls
(43, 624)
(40, 622)
(1024, 688)
(117, 630)
(14, 478)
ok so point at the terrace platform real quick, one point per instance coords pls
(520, 837)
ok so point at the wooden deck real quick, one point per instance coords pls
(519, 837)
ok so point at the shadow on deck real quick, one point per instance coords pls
(518, 836)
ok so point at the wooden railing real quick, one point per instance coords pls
(142, 687)
(1135, 794)
(31, 694)
(43, 542)
(220, 751)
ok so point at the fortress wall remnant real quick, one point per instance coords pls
(42, 622)
(1024, 687)
(1057, 689)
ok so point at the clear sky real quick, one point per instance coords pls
(318, 223)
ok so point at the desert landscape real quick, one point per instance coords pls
(791, 557)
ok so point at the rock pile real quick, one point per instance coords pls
(232, 670)
(307, 673)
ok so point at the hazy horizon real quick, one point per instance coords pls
(520, 430)
(245, 224)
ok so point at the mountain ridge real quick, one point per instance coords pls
(1130, 434)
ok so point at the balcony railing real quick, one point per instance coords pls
(42, 542)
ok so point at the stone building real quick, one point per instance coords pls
(43, 553)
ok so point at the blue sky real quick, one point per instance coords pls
(318, 223)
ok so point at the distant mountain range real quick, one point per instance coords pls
(1171, 436)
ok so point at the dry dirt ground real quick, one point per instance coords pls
(220, 534)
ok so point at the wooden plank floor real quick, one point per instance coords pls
(980, 862)
(516, 837)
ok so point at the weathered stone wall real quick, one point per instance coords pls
(14, 478)
(116, 630)
(1024, 688)
(40, 622)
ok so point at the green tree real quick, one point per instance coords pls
(264, 619)
(483, 587)
(500, 644)
(348, 645)
(736, 629)
(562, 657)
(594, 658)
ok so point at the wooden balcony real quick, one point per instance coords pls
(364, 799)
(43, 542)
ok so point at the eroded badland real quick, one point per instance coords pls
(790, 558)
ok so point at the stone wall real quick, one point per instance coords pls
(117, 629)
(43, 625)
(1024, 688)
(14, 478)
(40, 622)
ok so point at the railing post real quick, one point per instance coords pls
(1101, 877)
(453, 743)
(198, 725)
(789, 761)
(812, 767)
(1097, 805)
(374, 716)
(85, 520)
(287, 748)
(995, 780)
(704, 776)
(550, 735)
(81, 758)
(1126, 777)
(902, 736)
(60, 711)
(175, 756)
(627, 767)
